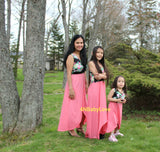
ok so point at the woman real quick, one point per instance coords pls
(74, 99)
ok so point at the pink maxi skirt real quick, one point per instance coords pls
(96, 110)
(71, 113)
(114, 116)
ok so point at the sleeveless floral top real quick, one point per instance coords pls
(77, 66)
(118, 95)
(92, 78)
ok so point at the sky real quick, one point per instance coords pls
(51, 13)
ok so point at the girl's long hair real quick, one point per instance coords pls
(114, 84)
(71, 49)
(102, 61)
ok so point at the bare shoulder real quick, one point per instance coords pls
(111, 93)
(112, 90)
(70, 59)
(91, 64)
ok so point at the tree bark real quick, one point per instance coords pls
(66, 29)
(8, 22)
(24, 42)
(9, 98)
(30, 114)
(85, 2)
(94, 32)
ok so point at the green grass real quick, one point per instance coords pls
(140, 135)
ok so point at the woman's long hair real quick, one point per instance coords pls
(102, 61)
(114, 84)
(71, 49)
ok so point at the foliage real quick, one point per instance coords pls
(56, 46)
(73, 29)
(141, 70)
(142, 21)
(14, 57)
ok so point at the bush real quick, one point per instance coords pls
(141, 71)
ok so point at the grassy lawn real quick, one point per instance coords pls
(140, 135)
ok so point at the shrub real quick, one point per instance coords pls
(142, 72)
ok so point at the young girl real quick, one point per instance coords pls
(97, 110)
(116, 97)
(75, 90)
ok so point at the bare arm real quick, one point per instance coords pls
(69, 65)
(98, 76)
(86, 83)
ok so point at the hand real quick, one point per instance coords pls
(101, 76)
(105, 75)
(71, 94)
(86, 88)
(119, 100)
(123, 100)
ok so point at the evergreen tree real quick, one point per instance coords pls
(73, 29)
(14, 57)
(56, 46)
(142, 19)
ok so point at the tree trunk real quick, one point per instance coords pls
(94, 32)
(9, 98)
(66, 29)
(30, 114)
(24, 41)
(18, 40)
(85, 2)
(8, 22)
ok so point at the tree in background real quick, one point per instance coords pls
(18, 39)
(56, 46)
(66, 24)
(84, 18)
(112, 25)
(13, 55)
(104, 23)
(142, 20)
(73, 29)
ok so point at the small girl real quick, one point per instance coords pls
(97, 109)
(116, 97)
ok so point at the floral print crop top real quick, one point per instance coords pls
(92, 78)
(118, 95)
(77, 66)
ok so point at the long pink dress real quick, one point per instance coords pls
(71, 113)
(114, 115)
(96, 110)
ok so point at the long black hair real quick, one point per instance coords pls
(102, 61)
(114, 84)
(71, 49)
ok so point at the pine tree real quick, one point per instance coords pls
(142, 18)
(56, 46)
(73, 29)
